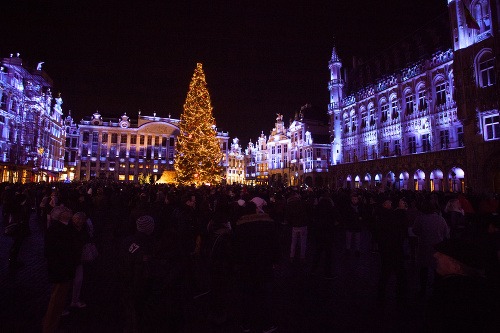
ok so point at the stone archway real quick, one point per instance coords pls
(436, 180)
(404, 178)
(419, 180)
(456, 180)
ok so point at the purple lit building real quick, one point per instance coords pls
(31, 126)
(121, 149)
(424, 115)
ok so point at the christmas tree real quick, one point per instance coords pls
(198, 154)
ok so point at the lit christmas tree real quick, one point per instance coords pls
(198, 153)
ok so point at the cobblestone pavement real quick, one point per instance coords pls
(301, 302)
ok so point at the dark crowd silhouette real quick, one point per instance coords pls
(225, 244)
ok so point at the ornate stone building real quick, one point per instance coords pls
(403, 128)
(31, 128)
(124, 150)
(294, 155)
(236, 164)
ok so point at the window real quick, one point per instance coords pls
(114, 137)
(104, 137)
(492, 127)
(445, 139)
(412, 145)
(85, 137)
(385, 150)
(141, 139)
(365, 153)
(374, 152)
(487, 72)
(285, 149)
(384, 112)
(460, 136)
(422, 103)
(279, 149)
(150, 138)
(397, 147)
(364, 119)
(95, 137)
(394, 109)
(123, 138)
(441, 94)
(133, 139)
(426, 142)
(353, 122)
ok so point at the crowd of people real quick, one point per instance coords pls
(174, 243)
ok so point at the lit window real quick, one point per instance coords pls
(426, 143)
(445, 139)
(121, 177)
(422, 103)
(440, 94)
(397, 147)
(492, 127)
(384, 112)
(385, 150)
(412, 145)
(487, 73)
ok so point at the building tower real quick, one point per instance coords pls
(335, 86)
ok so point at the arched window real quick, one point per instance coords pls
(409, 102)
(485, 69)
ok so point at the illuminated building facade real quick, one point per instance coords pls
(236, 164)
(31, 128)
(294, 155)
(122, 150)
(430, 124)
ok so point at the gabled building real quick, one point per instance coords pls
(236, 164)
(31, 127)
(309, 150)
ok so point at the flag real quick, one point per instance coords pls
(469, 19)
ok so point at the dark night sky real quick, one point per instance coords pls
(260, 58)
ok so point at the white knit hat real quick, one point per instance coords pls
(145, 224)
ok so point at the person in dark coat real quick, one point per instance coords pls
(20, 213)
(353, 218)
(62, 258)
(256, 251)
(391, 233)
(135, 255)
(326, 221)
(460, 300)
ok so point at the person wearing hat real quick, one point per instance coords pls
(135, 255)
(460, 300)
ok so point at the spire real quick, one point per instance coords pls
(335, 56)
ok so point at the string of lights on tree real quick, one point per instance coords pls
(198, 156)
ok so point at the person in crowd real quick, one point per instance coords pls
(20, 215)
(353, 217)
(82, 236)
(460, 300)
(431, 228)
(219, 260)
(391, 231)
(255, 251)
(296, 217)
(135, 255)
(62, 258)
(324, 228)
(455, 217)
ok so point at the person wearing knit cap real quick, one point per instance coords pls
(145, 224)
(460, 301)
(135, 256)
